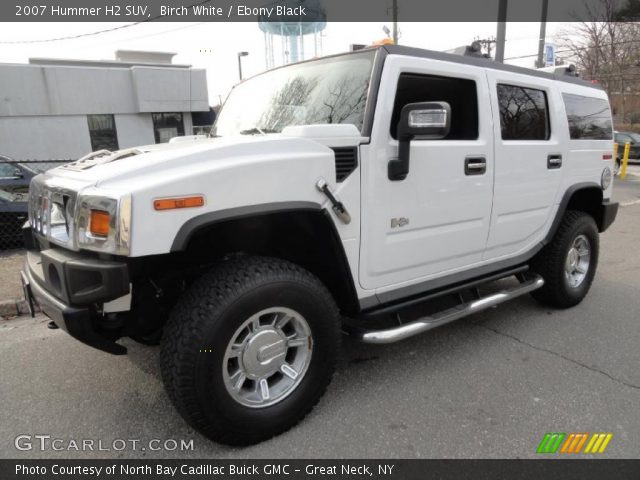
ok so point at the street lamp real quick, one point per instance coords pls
(240, 55)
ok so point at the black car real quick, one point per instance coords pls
(14, 194)
(621, 138)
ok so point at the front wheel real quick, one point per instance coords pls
(568, 264)
(250, 349)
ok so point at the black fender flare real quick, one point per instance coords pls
(332, 241)
(195, 224)
(599, 211)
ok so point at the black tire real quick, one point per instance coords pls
(207, 316)
(617, 167)
(151, 339)
(550, 262)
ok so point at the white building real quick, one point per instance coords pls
(63, 109)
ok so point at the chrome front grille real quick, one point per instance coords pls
(51, 212)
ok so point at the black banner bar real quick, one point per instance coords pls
(320, 469)
(300, 10)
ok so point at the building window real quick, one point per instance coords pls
(459, 93)
(589, 118)
(523, 113)
(102, 130)
(166, 126)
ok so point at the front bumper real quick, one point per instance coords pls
(68, 287)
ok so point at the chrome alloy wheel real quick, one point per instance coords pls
(267, 357)
(577, 262)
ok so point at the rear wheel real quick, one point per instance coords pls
(250, 349)
(568, 264)
(617, 167)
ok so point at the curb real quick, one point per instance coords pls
(10, 308)
(15, 308)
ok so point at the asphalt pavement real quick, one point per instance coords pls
(490, 385)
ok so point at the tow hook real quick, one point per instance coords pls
(337, 206)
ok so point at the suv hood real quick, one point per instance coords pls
(127, 168)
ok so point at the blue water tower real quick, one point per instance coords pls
(291, 31)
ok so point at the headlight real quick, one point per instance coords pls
(605, 178)
(103, 223)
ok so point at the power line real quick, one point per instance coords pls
(70, 37)
(92, 34)
(155, 34)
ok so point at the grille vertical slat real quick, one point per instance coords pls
(42, 199)
(346, 161)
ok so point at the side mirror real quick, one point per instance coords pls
(425, 121)
(17, 173)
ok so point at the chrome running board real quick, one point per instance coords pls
(424, 324)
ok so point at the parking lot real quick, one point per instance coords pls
(490, 385)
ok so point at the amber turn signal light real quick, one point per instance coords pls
(99, 224)
(184, 202)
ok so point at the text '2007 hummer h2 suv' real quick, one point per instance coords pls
(334, 195)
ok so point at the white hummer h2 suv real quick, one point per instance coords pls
(336, 195)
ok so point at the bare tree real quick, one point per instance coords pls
(605, 47)
(285, 106)
(308, 100)
(346, 98)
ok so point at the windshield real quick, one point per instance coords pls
(331, 90)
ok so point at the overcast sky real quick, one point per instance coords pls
(214, 45)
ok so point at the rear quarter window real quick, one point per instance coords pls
(589, 118)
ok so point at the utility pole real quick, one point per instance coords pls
(487, 43)
(502, 30)
(543, 33)
(394, 15)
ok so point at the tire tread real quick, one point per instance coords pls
(206, 299)
(549, 262)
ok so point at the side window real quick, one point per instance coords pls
(102, 130)
(459, 93)
(166, 126)
(524, 113)
(589, 118)
(7, 170)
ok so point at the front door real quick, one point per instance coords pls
(436, 220)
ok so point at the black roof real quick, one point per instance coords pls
(485, 63)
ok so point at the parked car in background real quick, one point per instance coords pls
(14, 195)
(621, 138)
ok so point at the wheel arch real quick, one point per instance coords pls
(300, 232)
(586, 197)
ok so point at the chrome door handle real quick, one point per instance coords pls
(554, 160)
(475, 165)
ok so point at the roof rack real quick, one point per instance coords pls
(473, 50)
(569, 69)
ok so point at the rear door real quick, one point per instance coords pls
(530, 156)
